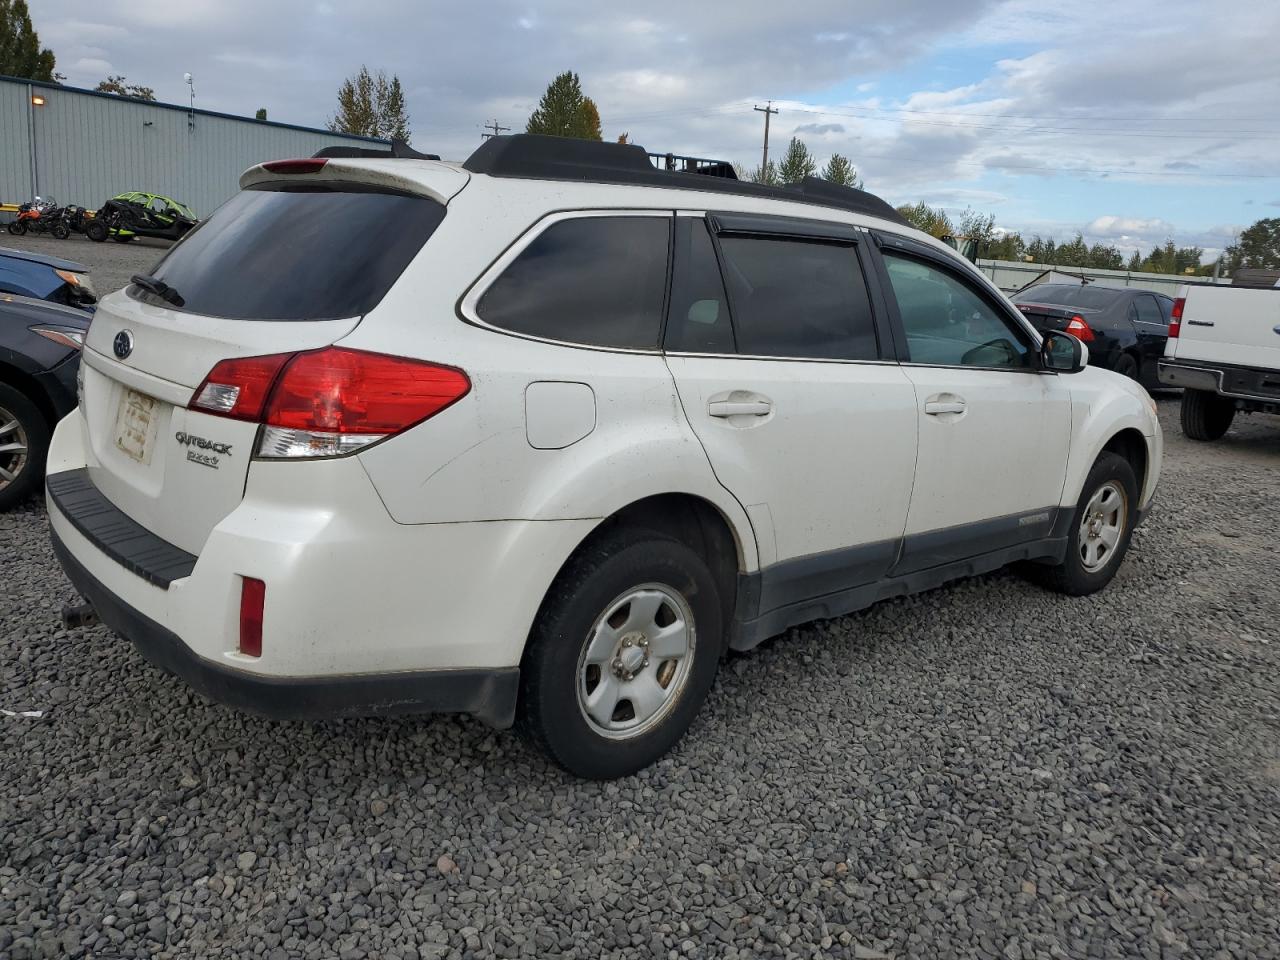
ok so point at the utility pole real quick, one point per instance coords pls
(493, 126)
(767, 110)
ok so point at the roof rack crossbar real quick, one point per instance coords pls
(534, 157)
(399, 150)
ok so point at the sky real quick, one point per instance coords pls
(1131, 121)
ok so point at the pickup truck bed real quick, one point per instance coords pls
(1224, 350)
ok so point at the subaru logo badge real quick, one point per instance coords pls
(123, 344)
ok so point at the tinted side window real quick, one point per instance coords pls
(1166, 310)
(948, 322)
(699, 317)
(286, 252)
(592, 280)
(793, 298)
(1149, 310)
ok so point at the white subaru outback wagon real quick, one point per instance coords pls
(539, 437)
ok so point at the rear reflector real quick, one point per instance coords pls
(308, 165)
(253, 598)
(1175, 321)
(1080, 329)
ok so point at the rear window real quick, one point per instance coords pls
(1070, 295)
(293, 252)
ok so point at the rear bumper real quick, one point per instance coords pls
(489, 694)
(1250, 384)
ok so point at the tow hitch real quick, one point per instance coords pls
(82, 616)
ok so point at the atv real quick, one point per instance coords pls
(136, 214)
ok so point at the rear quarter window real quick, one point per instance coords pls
(320, 251)
(598, 281)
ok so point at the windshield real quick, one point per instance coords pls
(1071, 295)
(323, 251)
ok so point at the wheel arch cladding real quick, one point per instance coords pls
(693, 521)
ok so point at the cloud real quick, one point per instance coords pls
(818, 129)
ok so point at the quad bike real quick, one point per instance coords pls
(40, 216)
(135, 214)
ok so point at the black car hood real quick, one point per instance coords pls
(27, 310)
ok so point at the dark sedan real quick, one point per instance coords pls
(39, 356)
(1125, 328)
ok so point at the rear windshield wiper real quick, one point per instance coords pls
(158, 287)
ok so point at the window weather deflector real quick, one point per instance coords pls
(795, 228)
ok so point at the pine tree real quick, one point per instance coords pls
(20, 51)
(768, 174)
(1135, 261)
(840, 170)
(564, 111)
(920, 215)
(797, 164)
(392, 116)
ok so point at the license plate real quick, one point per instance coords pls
(136, 425)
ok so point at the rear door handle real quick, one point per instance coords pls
(936, 407)
(739, 408)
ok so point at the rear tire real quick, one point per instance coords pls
(1100, 530)
(60, 231)
(586, 698)
(1126, 366)
(1206, 416)
(95, 230)
(21, 424)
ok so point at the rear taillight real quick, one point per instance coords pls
(238, 388)
(1079, 329)
(1175, 321)
(329, 402)
(307, 165)
(253, 599)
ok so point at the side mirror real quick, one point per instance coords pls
(1063, 353)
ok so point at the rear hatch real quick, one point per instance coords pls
(291, 263)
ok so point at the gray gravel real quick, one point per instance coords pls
(110, 264)
(987, 770)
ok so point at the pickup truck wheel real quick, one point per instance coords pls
(622, 654)
(1205, 415)
(24, 442)
(1098, 537)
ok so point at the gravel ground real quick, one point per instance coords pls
(986, 770)
(110, 264)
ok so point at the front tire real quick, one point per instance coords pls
(60, 231)
(17, 228)
(95, 230)
(24, 444)
(622, 655)
(1126, 366)
(1205, 415)
(1100, 531)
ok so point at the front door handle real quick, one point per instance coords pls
(936, 406)
(739, 408)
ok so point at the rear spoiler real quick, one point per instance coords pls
(399, 150)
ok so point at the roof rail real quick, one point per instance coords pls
(399, 150)
(536, 157)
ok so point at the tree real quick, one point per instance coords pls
(564, 111)
(797, 164)
(934, 222)
(1258, 246)
(979, 226)
(261, 114)
(1135, 261)
(371, 106)
(20, 51)
(768, 174)
(117, 85)
(840, 170)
